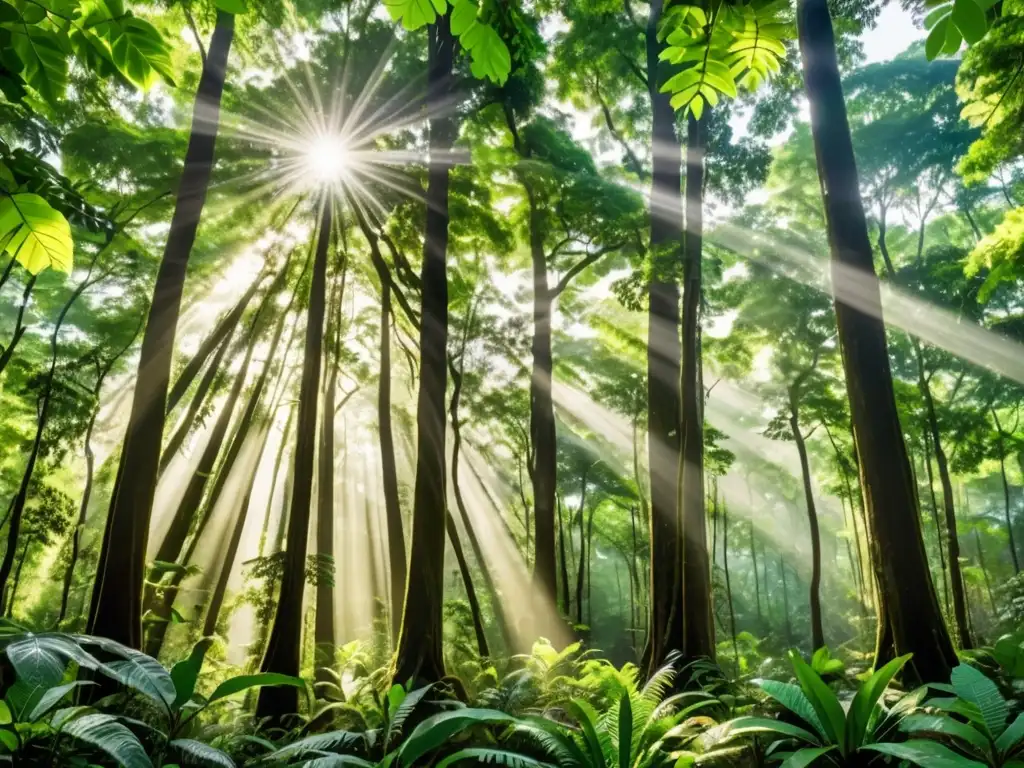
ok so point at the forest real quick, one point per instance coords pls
(537, 383)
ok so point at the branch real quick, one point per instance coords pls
(579, 266)
(634, 161)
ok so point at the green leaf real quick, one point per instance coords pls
(140, 53)
(40, 235)
(318, 744)
(972, 686)
(9, 739)
(927, 754)
(970, 20)
(744, 725)
(947, 726)
(866, 699)
(5, 713)
(587, 719)
(824, 701)
(440, 728)
(1012, 736)
(415, 13)
(39, 661)
(804, 757)
(185, 673)
(625, 730)
(245, 682)
(236, 7)
(52, 698)
(482, 755)
(109, 736)
(793, 698)
(197, 753)
(45, 64)
(936, 14)
(936, 38)
(464, 13)
(135, 670)
(490, 58)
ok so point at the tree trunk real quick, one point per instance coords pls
(885, 473)
(116, 610)
(17, 579)
(389, 470)
(785, 602)
(420, 641)
(563, 556)
(19, 325)
(939, 545)
(728, 584)
(324, 636)
(273, 481)
(697, 604)
(285, 645)
(221, 332)
(581, 570)
(1006, 492)
(590, 573)
(663, 364)
(757, 580)
(467, 581)
(817, 631)
(984, 572)
(956, 581)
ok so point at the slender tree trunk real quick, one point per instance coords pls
(116, 610)
(273, 481)
(566, 599)
(581, 570)
(984, 572)
(817, 630)
(939, 544)
(885, 474)
(663, 364)
(284, 647)
(757, 580)
(956, 582)
(17, 579)
(785, 602)
(697, 603)
(324, 635)
(420, 641)
(19, 325)
(728, 584)
(590, 573)
(467, 581)
(1006, 492)
(217, 339)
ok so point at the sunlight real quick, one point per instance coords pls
(328, 158)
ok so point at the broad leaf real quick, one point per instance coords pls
(185, 673)
(744, 725)
(45, 65)
(440, 728)
(972, 686)
(236, 7)
(866, 699)
(804, 757)
(140, 53)
(318, 744)
(262, 680)
(415, 13)
(927, 754)
(40, 236)
(197, 753)
(793, 698)
(488, 755)
(970, 20)
(107, 735)
(52, 698)
(1012, 736)
(946, 726)
(135, 670)
(824, 701)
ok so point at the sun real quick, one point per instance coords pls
(328, 158)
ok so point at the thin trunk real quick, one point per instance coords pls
(697, 604)
(984, 571)
(17, 579)
(966, 209)
(284, 647)
(564, 565)
(757, 581)
(116, 609)
(956, 581)
(221, 333)
(590, 573)
(785, 602)
(582, 566)
(817, 631)
(324, 639)
(663, 363)
(889, 496)
(728, 584)
(939, 544)
(634, 587)
(467, 581)
(1006, 492)
(419, 656)
(273, 480)
(19, 325)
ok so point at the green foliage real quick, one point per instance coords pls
(952, 23)
(34, 233)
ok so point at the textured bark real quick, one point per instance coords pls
(697, 604)
(663, 363)
(564, 562)
(467, 582)
(939, 546)
(817, 632)
(885, 473)
(116, 609)
(285, 644)
(324, 637)
(420, 656)
(581, 570)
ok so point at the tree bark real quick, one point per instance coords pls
(785, 602)
(19, 325)
(757, 580)
(116, 609)
(697, 603)
(324, 636)
(1006, 491)
(421, 638)
(284, 647)
(663, 364)
(885, 472)
(581, 570)
(467, 581)
(728, 584)
(939, 545)
(817, 630)
(984, 572)
(564, 564)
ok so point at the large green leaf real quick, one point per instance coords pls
(39, 661)
(185, 673)
(104, 733)
(625, 730)
(52, 698)
(489, 755)
(140, 53)
(262, 680)
(866, 699)
(319, 743)
(415, 13)
(440, 728)
(489, 56)
(135, 670)
(40, 236)
(824, 701)
(235, 7)
(793, 698)
(197, 753)
(972, 686)
(946, 726)
(1012, 736)
(927, 754)
(586, 718)
(804, 757)
(45, 63)
(970, 20)
(744, 725)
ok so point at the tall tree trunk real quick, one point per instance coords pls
(421, 638)
(817, 631)
(389, 469)
(663, 363)
(467, 581)
(728, 584)
(221, 332)
(563, 556)
(984, 572)
(939, 544)
(116, 609)
(885, 474)
(581, 570)
(273, 481)
(19, 325)
(285, 645)
(324, 639)
(697, 603)
(1006, 491)
(785, 602)
(956, 581)
(590, 573)
(17, 579)
(757, 580)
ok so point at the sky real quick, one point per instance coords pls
(894, 32)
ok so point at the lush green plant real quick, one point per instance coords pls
(829, 734)
(984, 734)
